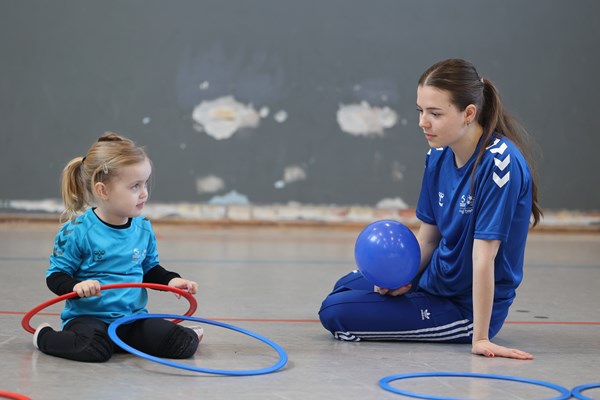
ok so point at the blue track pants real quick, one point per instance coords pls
(354, 312)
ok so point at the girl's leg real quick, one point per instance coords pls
(160, 338)
(82, 339)
(354, 312)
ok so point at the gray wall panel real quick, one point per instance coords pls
(70, 70)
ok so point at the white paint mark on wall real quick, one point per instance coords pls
(146, 120)
(293, 173)
(264, 112)
(204, 85)
(221, 118)
(232, 197)
(209, 184)
(281, 116)
(396, 203)
(48, 205)
(364, 120)
(397, 171)
(182, 146)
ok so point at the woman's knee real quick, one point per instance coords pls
(353, 280)
(334, 311)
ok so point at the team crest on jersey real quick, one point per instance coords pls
(138, 255)
(99, 255)
(441, 199)
(466, 204)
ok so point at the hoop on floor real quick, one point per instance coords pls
(15, 396)
(576, 392)
(112, 332)
(385, 383)
(25, 322)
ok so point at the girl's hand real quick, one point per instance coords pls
(87, 288)
(489, 349)
(395, 292)
(184, 284)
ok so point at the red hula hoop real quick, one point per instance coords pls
(190, 298)
(11, 395)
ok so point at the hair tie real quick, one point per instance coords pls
(83, 160)
(481, 79)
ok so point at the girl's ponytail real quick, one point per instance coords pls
(74, 192)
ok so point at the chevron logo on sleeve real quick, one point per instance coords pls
(500, 164)
(501, 181)
(493, 144)
(499, 150)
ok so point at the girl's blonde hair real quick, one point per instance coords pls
(100, 164)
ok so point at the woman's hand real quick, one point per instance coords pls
(393, 292)
(184, 284)
(489, 349)
(87, 288)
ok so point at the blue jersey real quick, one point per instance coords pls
(87, 248)
(494, 204)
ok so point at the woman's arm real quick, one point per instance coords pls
(429, 239)
(484, 253)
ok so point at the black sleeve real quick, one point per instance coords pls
(159, 275)
(61, 283)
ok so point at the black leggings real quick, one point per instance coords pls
(86, 339)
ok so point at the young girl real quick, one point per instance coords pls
(476, 201)
(107, 244)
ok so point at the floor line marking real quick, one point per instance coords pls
(286, 320)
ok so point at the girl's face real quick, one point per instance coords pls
(125, 195)
(442, 122)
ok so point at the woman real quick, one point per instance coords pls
(477, 199)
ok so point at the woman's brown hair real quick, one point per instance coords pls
(460, 79)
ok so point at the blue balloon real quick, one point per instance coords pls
(387, 254)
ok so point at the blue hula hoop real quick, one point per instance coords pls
(385, 383)
(112, 332)
(576, 392)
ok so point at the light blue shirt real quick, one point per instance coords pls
(87, 248)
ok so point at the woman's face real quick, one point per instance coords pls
(442, 122)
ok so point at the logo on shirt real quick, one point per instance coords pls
(138, 255)
(425, 314)
(441, 199)
(466, 204)
(61, 240)
(98, 255)
(500, 178)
